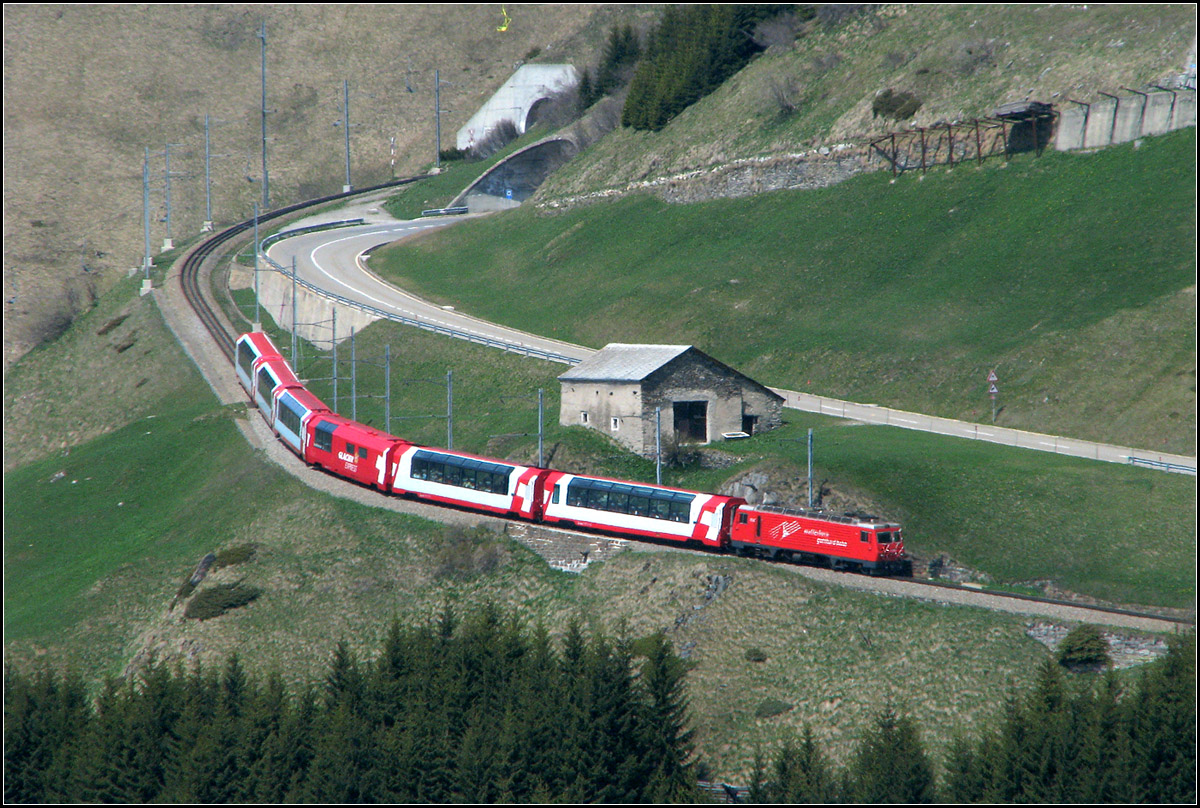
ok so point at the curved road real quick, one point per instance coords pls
(337, 261)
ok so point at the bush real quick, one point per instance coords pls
(499, 136)
(771, 708)
(899, 106)
(1083, 648)
(238, 554)
(217, 600)
(469, 552)
(756, 655)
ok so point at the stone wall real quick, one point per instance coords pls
(694, 377)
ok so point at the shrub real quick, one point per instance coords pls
(771, 708)
(468, 552)
(216, 600)
(756, 654)
(238, 554)
(1083, 648)
(898, 106)
(499, 136)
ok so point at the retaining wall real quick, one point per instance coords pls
(1124, 118)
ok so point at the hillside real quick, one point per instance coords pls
(87, 88)
(122, 471)
(960, 61)
(903, 294)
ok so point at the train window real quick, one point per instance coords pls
(554, 498)
(623, 498)
(884, 537)
(741, 518)
(323, 436)
(362, 452)
(680, 512)
(245, 357)
(660, 509)
(289, 417)
(864, 536)
(349, 448)
(265, 384)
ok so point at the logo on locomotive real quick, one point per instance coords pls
(349, 459)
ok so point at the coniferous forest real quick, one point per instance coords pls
(486, 710)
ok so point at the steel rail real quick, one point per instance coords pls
(190, 272)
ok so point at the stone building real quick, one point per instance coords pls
(700, 400)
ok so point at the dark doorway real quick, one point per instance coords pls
(691, 420)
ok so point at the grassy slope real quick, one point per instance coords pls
(94, 557)
(1071, 275)
(1015, 515)
(962, 61)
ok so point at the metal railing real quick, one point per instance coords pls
(1159, 464)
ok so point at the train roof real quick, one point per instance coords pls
(281, 370)
(261, 343)
(307, 399)
(345, 429)
(862, 519)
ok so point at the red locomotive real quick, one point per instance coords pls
(636, 510)
(854, 542)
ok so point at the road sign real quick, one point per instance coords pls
(992, 376)
(992, 390)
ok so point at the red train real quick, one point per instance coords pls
(393, 465)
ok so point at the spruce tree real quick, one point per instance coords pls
(891, 764)
(667, 740)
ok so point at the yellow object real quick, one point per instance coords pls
(507, 19)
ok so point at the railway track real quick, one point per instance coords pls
(191, 274)
(207, 312)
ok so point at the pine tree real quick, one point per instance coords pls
(667, 741)
(891, 764)
(1162, 721)
(802, 775)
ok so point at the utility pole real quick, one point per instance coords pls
(208, 155)
(437, 106)
(266, 203)
(207, 226)
(810, 454)
(257, 317)
(168, 242)
(146, 262)
(658, 445)
(449, 409)
(294, 338)
(346, 122)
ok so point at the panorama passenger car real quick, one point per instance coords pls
(252, 349)
(294, 408)
(638, 509)
(468, 481)
(271, 376)
(852, 541)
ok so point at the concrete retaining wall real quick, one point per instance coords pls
(1125, 118)
(314, 313)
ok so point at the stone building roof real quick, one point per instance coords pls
(619, 362)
